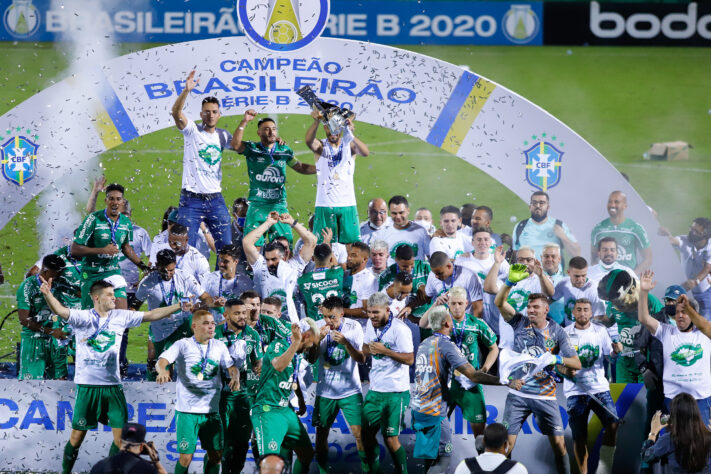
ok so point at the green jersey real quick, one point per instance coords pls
(627, 321)
(631, 239)
(30, 298)
(248, 378)
(67, 287)
(97, 231)
(318, 285)
(469, 334)
(267, 171)
(271, 329)
(420, 272)
(274, 387)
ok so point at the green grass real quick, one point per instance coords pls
(619, 99)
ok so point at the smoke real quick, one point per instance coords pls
(87, 43)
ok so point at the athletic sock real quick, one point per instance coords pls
(562, 463)
(209, 468)
(299, 468)
(400, 459)
(364, 465)
(322, 463)
(375, 459)
(607, 456)
(70, 457)
(179, 469)
(113, 449)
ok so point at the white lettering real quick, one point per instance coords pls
(55, 21)
(124, 22)
(205, 19)
(173, 21)
(489, 29)
(387, 25)
(356, 24)
(633, 25)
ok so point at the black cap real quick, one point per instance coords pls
(134, 433)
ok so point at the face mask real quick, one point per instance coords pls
(670, 310)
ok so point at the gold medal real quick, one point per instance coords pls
(200, 376)
(55, 318)
(326, 366)
(457, 373)
(83, 341)
(294, 386)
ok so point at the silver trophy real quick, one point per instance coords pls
(334, 117)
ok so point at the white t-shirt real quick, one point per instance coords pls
(413, 235)
(282, 285)
(687, 361)
(202, 158)
(201, 244)
(519, 293)
(157, 293)
(599, 270)
(192, 261)
(364, 284)
(367, 230)
(195, 395)
(387, 375)
(592, 345)
(491, 314)
(217, 287)
(694, 260)
(461, 276)
(334, 174)
(452, 246)
(141, 245)
(99, 342)
(338, 373)
(567, 293)
(489, 462)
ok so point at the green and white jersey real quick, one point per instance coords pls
(159, 293)
(271, 329)
(626, 322)
(338, 375)
(98, 343)
(592, 345)
(568, 294)
(491, 314)
(687, 361)
(631, 238)
(469, 335)
(30, 298)
(318, 285)
(420, 271)
(196, 393)
(413, 235)
(97, 231)
(274, 387)
(452, 246)
(267, 171)
(252, 349)
(67, 288)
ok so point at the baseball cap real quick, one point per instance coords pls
(173, 216)
(674, 292)
(134, 433)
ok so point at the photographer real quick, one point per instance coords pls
(128, 460)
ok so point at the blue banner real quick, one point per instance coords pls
(393, 22)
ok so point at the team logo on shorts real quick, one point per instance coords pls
(273, 445)
(18, 156)
(448, 448)
(184, 445)
(283, 25)
(543, 162)
(22, 19)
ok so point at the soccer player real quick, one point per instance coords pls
(201, 192)
(324, 281)
(360, 280)
(199, 361)
(575, 286)
(98, 241)
(470, 335)
(630, 236)
(538, 336)
(188, 258)
(446, 275)
(540, 228)
(378, 257)
(99, 395)
(606, 259)
(482, 217)
(405, 262)
(377, 219)
(276, 426)
(229, 281)
(450, 243)
(338, 386)
(335, 166)
(204, 244)
(266, 165)
(39, 357)
(403, 231)
(389, 341)
(592, 344)
(235, 406)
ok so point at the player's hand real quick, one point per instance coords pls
(499, 254)
(316, 115)
(338, 337)
(234, 384)
(46, 286)
(617, 347)
(327, 235)
(99, 184)
(646, 282)
(272, 218)
(257, 368)
(145, 268)
(296, 335)
(280, 141)
(515, 384)
(286, 218)
(191, 82)
(442, 299)
(518, 272)
(537, 268)
(110, 249)
(58, 334)
(349, 124)
(548, 359)
(325, 330)
(377, 348)
(219, 302)
(689, 284)
(163, 377)
(250, 115)
(404, 312)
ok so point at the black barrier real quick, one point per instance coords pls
(630, 24)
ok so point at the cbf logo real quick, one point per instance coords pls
(18, 157)
(520, 24)
(543, 162)
(22, 19)
(283, 25)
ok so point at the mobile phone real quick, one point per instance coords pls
(664, 419)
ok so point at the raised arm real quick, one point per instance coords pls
(250, 250)
(359, 147)
(96, 188)
(546, 284)
(492, 278)
(645, 286)
(282, 362)
(181, 121)
(54, 305)
(309, 239)
(236, 143)
(160, 313)
(314, 145)
(517, 273)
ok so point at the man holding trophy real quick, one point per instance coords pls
(335, 165)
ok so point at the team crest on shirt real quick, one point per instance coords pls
(588, 354)
(210, 369)
(518, 299)
(543, 162)
(687, 354)
(380, 356)
(102, 342)
(550, 344)
(469, 339)
(211, 154)
(18, 156)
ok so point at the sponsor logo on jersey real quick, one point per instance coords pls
(271, 174)
(543, 163)
(687, 354)
(18, 156)
(315, 285)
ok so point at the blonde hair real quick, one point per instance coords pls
(458, 291)
(438, 316)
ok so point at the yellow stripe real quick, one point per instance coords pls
(467, 114)
(105, 126)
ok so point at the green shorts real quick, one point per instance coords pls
(183, 331)
(385, 410)
(470, 401)
(627, 371)
(326, 410)
(257, 213)
(41, 357)
(343, 221)
(277, 427)
(95, 404)
(234, 411)
(191, 426)
(88, 279)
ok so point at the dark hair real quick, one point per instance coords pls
(165, 257)
(274, 245)
(53, 263)
(322, 252)
(450, 210)
(404, 252)
(239, 201)
(249, 294)
(114, 187)
(265, 120)
(231, 250)
(690, 437)
(488, 211)
(99, 285)
(178, 229)
(397, 200)
(439, 259)
(362, 246)
(578, 263)
(538, 296)
(468, 208)
(403, 278)
(332, 302)
(606, 239)
(495, 436)
(477, 229)
(272, 301)
(705, 224)
(283, 241)
(233, 302)
(582, 301)
(166, 214)
(210, 100)
(541, 193)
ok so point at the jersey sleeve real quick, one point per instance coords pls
(605, 342)
(228, 139)
(425, 240)
(565, 348)
(142, 291)
(194, 287)
(369, 333)
(598, 306)
(77, 320)
(474, 289)
(256, 353)
(404, 343)
(85, 230)
(559, 287)
(146, 243)
(189, 128)
(171, 354)
(452, 354)
(132, 319)
(23, 296)
(202, 266)
(641, 235)
(436, 246)
(662, 331)
(518, 320)
(357, 338)
(290, 161)
(228, 357)
(486, 335)
(431, 286)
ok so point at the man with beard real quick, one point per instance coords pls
(575, 286)
(377, 219)
(335, 167)
(450, 242)
(229, 281)
(361, 281)
(188, 258)
(541, 228)
(606, 259)
(482, 217)
(405, 262)
(325, 280)
(404, 231)
(631, 237)
(263, 317)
